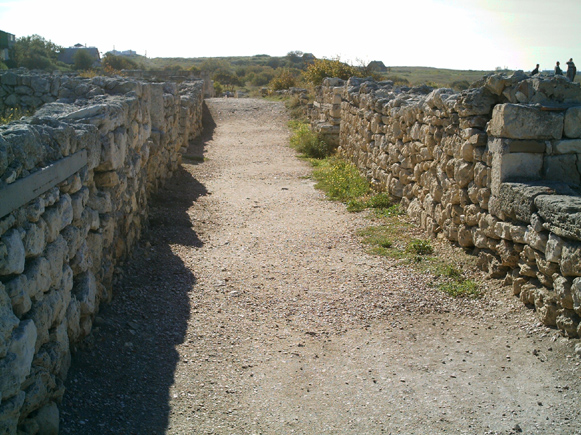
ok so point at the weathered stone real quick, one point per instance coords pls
(553, 248)
(15, 367)
(568, 322)
(34, 240)
(47, 419)
(12, 253)
(561, 168)
(571, 259)
(562, 288)
(85, 291)
(536, 240)
(576, 295)
(8, 321)
(10, 412)
(572, 126)
(545, 305)
(517, 121)
(562, 214)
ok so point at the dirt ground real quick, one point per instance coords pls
(251, 307)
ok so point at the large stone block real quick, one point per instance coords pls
(561, 168)
(518, 121)
(515, 167)
(571, 259)
(561, 213)
(12, 253)
(15, 367)
(8, 321)
(572, 127)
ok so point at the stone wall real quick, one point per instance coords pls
(495, 168)
(74, 185)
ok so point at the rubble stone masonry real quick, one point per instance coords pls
(75, 178)
(496, 169)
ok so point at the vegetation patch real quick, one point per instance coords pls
(12, 114)
(307, 142)
(396, 236)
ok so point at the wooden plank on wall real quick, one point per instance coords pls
(26, 189)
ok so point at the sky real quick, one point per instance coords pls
(455, 34)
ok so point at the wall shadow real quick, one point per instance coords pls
(121, 374)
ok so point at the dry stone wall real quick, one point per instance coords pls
(75, 178)
(496, 168)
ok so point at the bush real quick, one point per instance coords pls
(117, 63)
(307, 142)
(283, 80)
(83, 60)
(340, 180)
(322, 68)
(218, 88)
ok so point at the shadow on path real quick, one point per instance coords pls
(121, 374)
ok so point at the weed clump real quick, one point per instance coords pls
(307, 142)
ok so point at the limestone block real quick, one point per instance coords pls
(509, 256)
(568, 321)
(476, 101)
(514, 166)
(15, 367)
(35, 209)
(518, 121)
(34, 240)
(545, 305)
(562, 214)
(463, 172)
(536, 240)
(85, 291)
(517, 200)
(39, 277)
(17, 289)
(545, 267)
(572, 126)
(10, 412)
(480, 239)
(73, 316)
(48, 419)
(561, 168)
(567, 146)
(82, 260)
(58, 217)
(576, 295)
(12, 253)
(113, 150)
(8, 321)
(503, 230)
(554, 248)
(74, 238)
(57, 255)
(571, 259)
(562, 288)
(100, 201)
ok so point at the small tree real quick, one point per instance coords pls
(283, 80)
(35, 52)
(83, 60)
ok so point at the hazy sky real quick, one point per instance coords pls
(458, 34)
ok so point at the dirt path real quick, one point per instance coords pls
(251, 308)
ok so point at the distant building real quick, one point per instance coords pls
(127, 53)
(7, 41)
(68, 54)
(377, 65)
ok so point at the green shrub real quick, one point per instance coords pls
(308, 143)
(322, 68)
(218, 88)
(463, 288)
(340, 180)
(283, 80)
(420, 247)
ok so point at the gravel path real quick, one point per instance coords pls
(250, 307)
